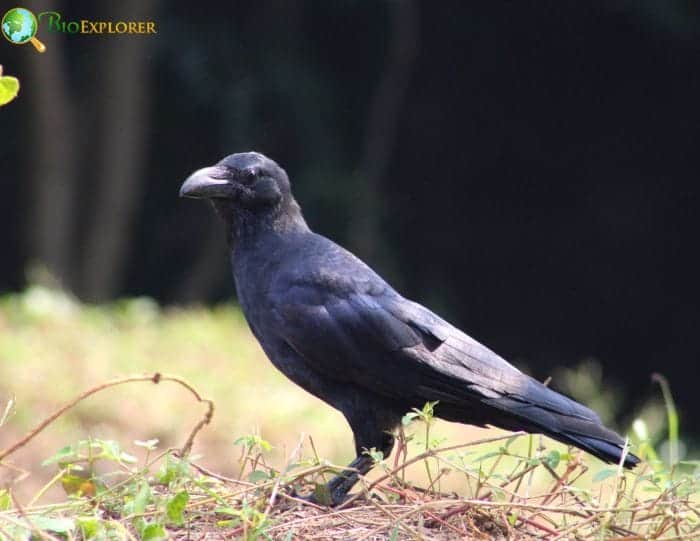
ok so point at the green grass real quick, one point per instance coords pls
(52, 349)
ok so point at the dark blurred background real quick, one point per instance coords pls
(527, 169)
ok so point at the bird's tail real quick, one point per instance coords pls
(547, 412)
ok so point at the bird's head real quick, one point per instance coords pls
(247, 188)
(248, 180)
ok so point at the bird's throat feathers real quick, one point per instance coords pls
(247, 224)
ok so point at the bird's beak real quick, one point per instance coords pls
(207, 182)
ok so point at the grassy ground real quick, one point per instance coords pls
(52, 348)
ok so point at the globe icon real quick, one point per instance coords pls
(19, 26)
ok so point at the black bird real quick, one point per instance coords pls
(337, 329)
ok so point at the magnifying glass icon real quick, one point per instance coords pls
(19, 26)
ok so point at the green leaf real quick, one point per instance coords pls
(257, 475)
(553, 459)
(251, 441)
(394, 533)
(79, 485)
(377, 456)
(153, 532)
(428, 412)
(9, 88)
(61, 455)
(142, 498)
(172, 469)
(408, 418)
(56, 525)
(265, 445)
(5, 500)
(245, 441)
(175, 508)
(90, 527)
(111, 450)
(602, 475)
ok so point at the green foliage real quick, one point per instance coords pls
(175, 508)
(5, 500)
(426, 415)
(377, 456)
(146, 503)
(252, 448)
(90, 451)
(253, 521)
(552, 459)
(252, 442)
(115, 491)
(672, 415)
(156, 499)
(9, 88)
(172, 471)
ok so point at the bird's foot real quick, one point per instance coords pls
(321, 495)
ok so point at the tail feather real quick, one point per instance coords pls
(464, 375)
(584, 430)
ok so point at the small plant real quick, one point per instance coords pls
(253, 448)
(113, 495)
(510, 486)
(246, 518)
(426, 415)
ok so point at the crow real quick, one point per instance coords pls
(338, 330)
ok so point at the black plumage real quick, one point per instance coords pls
(337, 329)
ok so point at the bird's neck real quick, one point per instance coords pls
(246, 226)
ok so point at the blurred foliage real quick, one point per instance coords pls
(169, 496)
(52, 347)
(585, 383)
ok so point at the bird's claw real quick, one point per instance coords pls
(320, 496)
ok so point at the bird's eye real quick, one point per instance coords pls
(249, 175)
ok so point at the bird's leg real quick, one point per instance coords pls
(340, 485)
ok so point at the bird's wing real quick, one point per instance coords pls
(362, 332)
(355, 328)
(486, 373)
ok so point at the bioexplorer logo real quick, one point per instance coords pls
(54, 23)
(19, 26)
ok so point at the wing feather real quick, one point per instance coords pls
(352, 327)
